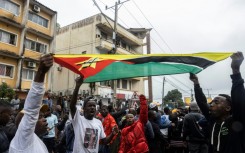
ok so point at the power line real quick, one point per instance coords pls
(181, 82)
(95, 3)
(153, 27)
(142, 26)
(171, 83)
(155, 31)
(114, 12)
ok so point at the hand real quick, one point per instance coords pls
(66, 117)
(79, 80)
(194, 78)
(237, 59)
(41, 126)
(173, 124)
(115, 130)
(46, 61)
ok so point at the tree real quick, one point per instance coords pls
(6, 92)
(57, 27)
(174, 98)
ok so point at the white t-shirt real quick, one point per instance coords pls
(52, 121)
(25, 140)
(87, 134)
(15, 103)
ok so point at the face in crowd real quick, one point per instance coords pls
(104, 111)
(48, 113)
(130, 119)
(89, 109)
(41, 126)
(220, 106)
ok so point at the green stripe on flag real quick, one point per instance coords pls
(119, 70)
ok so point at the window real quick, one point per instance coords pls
(130, 85)
(6, 70)
(124, 45)
(10, 6)
(124, 84)
(7, 37)
(84, 52)
(118, 83)
(28, 74)
(38, 19)
(105, 83)
(103, 35)
(36, 46)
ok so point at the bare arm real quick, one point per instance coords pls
(79, 82)
(108, 139)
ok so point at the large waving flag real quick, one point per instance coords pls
(101, 67)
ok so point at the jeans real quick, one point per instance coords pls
(197, 147)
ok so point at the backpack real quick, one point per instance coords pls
(4, 141)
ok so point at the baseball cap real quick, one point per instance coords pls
(152, 105)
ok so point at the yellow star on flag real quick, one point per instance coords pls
(89, 63)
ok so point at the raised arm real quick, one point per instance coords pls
(143, 110)
(200, 97)
(237, 90)
(79, 82)
(25, 133)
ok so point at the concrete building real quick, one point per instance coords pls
(93, 35)
(27, 30)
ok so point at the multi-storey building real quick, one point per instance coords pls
(93, 35)
(27, 30)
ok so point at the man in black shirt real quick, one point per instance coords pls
(225, 114)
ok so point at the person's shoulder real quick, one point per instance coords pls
(97, 121)
(54, 115)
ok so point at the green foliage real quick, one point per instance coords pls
(6, 92)
(57, 26)
(174, 98)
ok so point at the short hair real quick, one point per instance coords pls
(151, 113)
(227, 97)
(166, 110)
(104, 106)
(87, 100)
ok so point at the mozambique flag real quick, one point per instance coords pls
(102, 67)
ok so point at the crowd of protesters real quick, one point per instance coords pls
(85, 125)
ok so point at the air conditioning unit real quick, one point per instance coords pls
(31, 65)
(36, 8)
(98, 35)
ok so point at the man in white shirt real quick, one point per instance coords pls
(49, 139)
(88, 130)
(25, 140)
(15, 102)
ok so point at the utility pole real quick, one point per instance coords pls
(192, 98)
(148, 48)
(209, 96)
(114, 46)
(163, 82)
